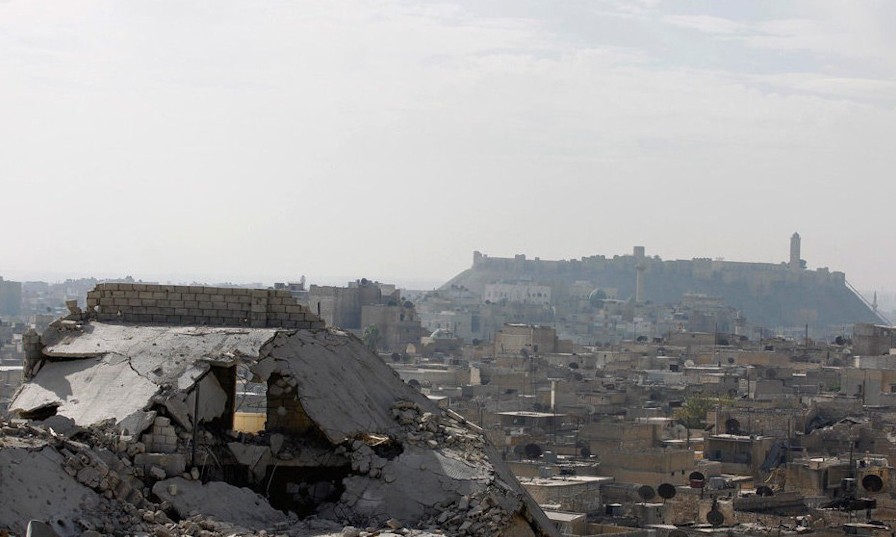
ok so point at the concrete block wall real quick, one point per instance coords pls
(285, 412)
(199, 305)
(163, 438)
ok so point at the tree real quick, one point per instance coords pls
(372, 337)
(532, 451)
(692, 413)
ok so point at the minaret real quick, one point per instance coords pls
(639, 275)
(795, 263)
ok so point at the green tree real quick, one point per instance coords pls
(372, 337)
(692, 413)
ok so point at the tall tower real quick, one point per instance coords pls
(639, 282)
(638, 253)
(795, 252)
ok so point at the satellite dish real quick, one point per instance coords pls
(872, 483)
(764, 490)
(689, 363)
(715, 517)
(666, 491)
(732, 426)
(697, 480)
(646, 492)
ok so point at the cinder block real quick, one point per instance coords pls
(196, 289)
(227, 291)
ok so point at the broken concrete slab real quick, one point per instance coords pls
(254, 457)
(212, 399)
(102, 354)
(344, 388)
(221, 501)
(35, 487)
(137, 422)
(61, 425)
(416, 469)
(165, 351)
(71, 387)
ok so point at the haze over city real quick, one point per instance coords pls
(223, 141)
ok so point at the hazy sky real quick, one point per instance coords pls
(261, 141)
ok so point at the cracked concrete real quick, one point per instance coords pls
(104, 355)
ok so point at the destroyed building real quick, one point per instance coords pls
(132, 408)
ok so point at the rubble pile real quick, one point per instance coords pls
(122, 502)
(138, 429)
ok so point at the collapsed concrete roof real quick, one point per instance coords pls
(341, 388)
(97, 371)
(344, 438)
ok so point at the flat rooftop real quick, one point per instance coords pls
(528, 414)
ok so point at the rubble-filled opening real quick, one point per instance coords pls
(284, 410)
(303, 489)
(40, 414)
(226, 377)
(388, 450)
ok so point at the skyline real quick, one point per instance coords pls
(390, 140)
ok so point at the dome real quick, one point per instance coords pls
(597, 297)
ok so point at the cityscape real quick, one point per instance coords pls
(624, 394)
(447, 268)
